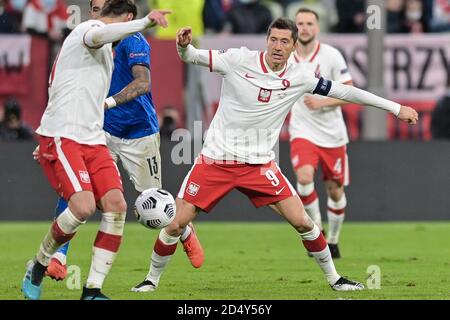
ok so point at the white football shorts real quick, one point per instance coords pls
(140, 158)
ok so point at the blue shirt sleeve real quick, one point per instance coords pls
(137, 51)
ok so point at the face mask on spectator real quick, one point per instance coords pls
(18, 5)
(413, 15)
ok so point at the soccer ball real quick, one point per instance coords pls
(155, 208)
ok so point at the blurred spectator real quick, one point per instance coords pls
(326, 10)
(169, 121)
(395, 10)
(12, 128)
(184, 13)
(440, 20)
(8, 21)
(248, 16)
(214, 14)
(352, 16)
(413, 16)
(440, 118)
(45, 17)
(286, 3)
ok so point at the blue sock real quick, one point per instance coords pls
(60, 207)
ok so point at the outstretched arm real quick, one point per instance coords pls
(97, 37)
(187, 52)
(352, 94)
(314, 103)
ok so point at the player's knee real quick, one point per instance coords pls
(304, 224)
(305, 178)
(113, 201)
(83, 210)
(115, 204)
(335, 193)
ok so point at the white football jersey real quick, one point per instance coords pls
(78, 85)
(253, 105)
(324, 127)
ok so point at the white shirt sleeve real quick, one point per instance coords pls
(352, 94)
(100, 34)
(340, 70)
(220, 61)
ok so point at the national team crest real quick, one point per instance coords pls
(84, 176)
(264, 95)
(192, 189)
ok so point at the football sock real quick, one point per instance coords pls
(186, 232)
(62, 252)
(336, 215)
(61, 231)
(310, 200)
(37, 274)
(60, 256)
(163, 251)
(105, 248)
(316, 244)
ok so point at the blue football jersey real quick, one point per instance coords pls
(136, 118)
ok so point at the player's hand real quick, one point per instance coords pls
(184, 37)
(36, 154)
(408, 114)
(312, 102)
(158, 17)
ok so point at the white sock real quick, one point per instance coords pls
(61, 231)
(60, 257)
(308, 194)
(313, 211)
(105, 248)
(314, 238)
(162, 253)
(336, 216)
(186, 232)
(101, 264)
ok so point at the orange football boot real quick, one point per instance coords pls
(193, 248)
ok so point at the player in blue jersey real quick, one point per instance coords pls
(132, 136)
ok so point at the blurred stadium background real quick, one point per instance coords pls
(398, 172)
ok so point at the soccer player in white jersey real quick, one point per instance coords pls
(258, 91)
(132, 135)
(72, 148)
(317, 130)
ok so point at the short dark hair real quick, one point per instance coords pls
(118, 7)
(306, 10)
(284, 24)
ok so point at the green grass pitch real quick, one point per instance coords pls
(249, 261)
